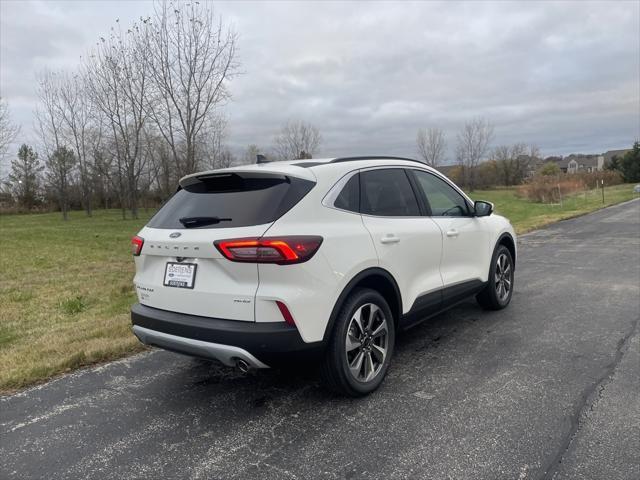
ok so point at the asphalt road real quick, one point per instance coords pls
(548, 388)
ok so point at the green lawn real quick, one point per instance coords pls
(66, 289)
(526, 216)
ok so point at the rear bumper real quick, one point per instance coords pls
(258, 344)
(226, 354)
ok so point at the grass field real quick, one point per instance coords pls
(526, 216)
(66, 288)
(65, 293)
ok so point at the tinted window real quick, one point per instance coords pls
(349, 197)
(443, 199)
(238, 201)
(388, 193)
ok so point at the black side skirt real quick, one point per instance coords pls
(433, 303)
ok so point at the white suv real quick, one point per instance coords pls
(261, 264)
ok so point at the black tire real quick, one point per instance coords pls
(493, 297)
(335, 371)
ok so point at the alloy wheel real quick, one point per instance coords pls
(503, 277)
(366, 342)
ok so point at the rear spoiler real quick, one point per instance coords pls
(193, 179)
(282, 170)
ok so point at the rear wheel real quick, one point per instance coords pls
(497, 294)
(361, 345)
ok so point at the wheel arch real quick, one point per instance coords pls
(507, 240)
(377, 279)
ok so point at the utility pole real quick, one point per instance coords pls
(602, 185)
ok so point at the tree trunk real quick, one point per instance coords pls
(87, 202)
(86, 192)
(133, 196)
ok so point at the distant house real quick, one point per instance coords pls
(553, 159)
(533, 164)
(614, 153)
(575, 163)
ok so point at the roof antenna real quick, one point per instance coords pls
(261, 158)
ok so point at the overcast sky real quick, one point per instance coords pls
(565, 76)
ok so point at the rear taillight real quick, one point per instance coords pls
(136, 245)
(280, 250)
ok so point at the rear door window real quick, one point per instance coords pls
(231, 200)
(387, 193)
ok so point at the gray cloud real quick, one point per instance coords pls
(563, 75)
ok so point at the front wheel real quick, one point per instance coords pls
(499, 289)
(361, 345)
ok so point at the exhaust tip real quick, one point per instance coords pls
(243, 366)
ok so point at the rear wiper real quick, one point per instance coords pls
(191, 222)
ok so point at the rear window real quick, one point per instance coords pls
(387, 193)
(349, 197)
(231, 200)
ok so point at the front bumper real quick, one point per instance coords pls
(258, 344)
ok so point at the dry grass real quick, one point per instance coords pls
(551, 189)
(65, 294)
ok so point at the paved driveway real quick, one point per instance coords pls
(548, 388)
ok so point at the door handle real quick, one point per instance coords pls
(452, 233)
(389, 239)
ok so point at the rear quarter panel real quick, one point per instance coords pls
(311, 289)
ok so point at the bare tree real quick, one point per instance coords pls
(8, 130)
(190, 55)
(225, 159)
(60, 165)
(473, 143)
(117, 80)
(297, 139)
(48, 113)
(431, 145)
(510, 163)
(109, 174)
(513, 162)
(77, 117)
(212, 147)
(534, 160)
(162, 166)
(65, 118)
(250, 154)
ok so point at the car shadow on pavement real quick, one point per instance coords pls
(204, 380)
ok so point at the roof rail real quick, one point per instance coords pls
(373, 157)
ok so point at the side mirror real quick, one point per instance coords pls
(482, 209)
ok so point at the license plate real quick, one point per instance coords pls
(180, 275)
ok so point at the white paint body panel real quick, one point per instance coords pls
(461, 239)
(222, 289)
(414, 259)
(311, 289)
